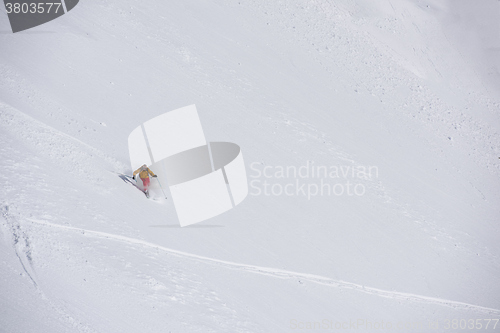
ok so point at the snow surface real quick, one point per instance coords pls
(410, 87)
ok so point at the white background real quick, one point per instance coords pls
(402, 85)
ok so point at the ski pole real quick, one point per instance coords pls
(161, 187)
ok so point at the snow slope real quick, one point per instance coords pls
(387, 84)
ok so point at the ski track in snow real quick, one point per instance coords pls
(283, 274)
(22, 248)
(57, 145)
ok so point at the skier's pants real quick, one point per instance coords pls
(145, 182)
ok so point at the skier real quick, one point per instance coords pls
(144, 173)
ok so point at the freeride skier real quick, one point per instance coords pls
(144, 173)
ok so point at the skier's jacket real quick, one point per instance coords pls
(144, 172)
